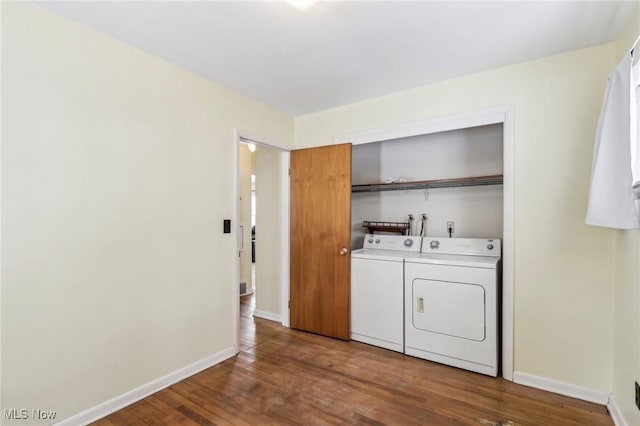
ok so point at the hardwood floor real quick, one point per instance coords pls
(283, 376)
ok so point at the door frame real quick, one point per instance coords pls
(245, 136)
(498, 115)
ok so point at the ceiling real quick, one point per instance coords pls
(340, 52)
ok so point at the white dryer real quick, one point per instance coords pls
(451, 303)
(377, 289)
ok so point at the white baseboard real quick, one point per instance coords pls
(104, 409)
(616, 413)
(267, 315)
(566, 389)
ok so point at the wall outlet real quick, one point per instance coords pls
(637, 395)
(451, 226)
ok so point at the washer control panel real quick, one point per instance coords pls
(392, 242)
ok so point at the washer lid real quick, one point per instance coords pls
(377, 254)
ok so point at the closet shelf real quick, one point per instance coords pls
(428, 184)
(397, 227)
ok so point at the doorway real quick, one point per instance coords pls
(261, 215)
(246, 217)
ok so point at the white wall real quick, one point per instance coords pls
(268, 231)
(117, 171)
(563, 268)
(626, 364)
(477, 211)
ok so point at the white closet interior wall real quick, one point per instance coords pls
(477, 211)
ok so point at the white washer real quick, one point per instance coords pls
(451, 303)
(377, 300)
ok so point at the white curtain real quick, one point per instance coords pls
(611, 198)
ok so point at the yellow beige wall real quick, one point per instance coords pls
(626, 361)
(116, 176)
(563, 268)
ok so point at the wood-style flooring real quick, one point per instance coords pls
(287, 377)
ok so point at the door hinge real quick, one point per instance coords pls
(289, 304)
(289, 171)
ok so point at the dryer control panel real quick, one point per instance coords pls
(463, 246)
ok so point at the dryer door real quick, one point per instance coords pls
(449, 308)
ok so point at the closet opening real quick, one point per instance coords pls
(456, 172)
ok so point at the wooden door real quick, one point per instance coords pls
(320, 240)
